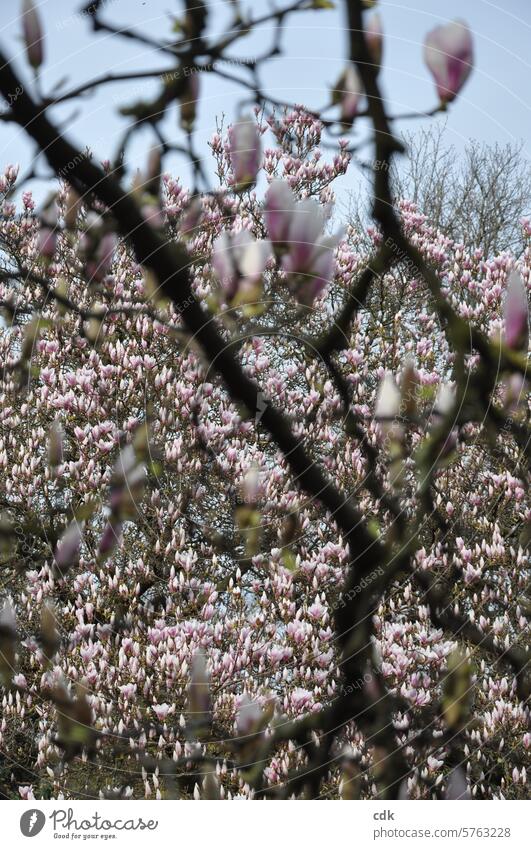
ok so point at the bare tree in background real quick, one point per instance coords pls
(477, 197)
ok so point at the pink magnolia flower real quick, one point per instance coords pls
(387, 399)
(33, 34)
(449, 55)
(55, 444)
(301, 698)
(189, 102)
(245, 151)
(516, 313)
(162, 711)
(68, 546)
(239, 260)
(27, 200)
(248, 716)
(7, 618)
(26, 791)
(47, 242)
(190, 217)
(100, 266)
(311, 254)
(278, 211)
(153, 214)
(251, 485)
(444, 400)
(307, 222)
(128, 483)
(153, 171)
(317, 609)
(350, 91)
(374, 38)
(110, 538)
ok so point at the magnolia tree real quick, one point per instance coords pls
(264, 524)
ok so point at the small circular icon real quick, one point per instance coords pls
(32, 822)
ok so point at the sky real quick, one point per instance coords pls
(493, 107)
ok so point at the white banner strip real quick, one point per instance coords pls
(262, 825)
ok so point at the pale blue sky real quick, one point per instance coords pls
(494, 105)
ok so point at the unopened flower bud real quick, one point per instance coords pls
(55, 445)
(374, 38)
(33, 34)
(188, 101)
(515, 313)
(245, 151)
(449, 55)
(348, 93)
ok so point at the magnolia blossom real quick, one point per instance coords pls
(388, 408)
(33, 35)
(152, 174)
(47, 242)
(7, 618)
(55, 444)
(189, 101)
(516, 313)
(239, 260)
(100, 265)
(374, 38)
(245, 150)
(128, 690)
(444, 400)
(248, 716)
(444, 403)
(449, 55)
(190, 217)
(127, 486)
(72, 208)
(301, 699)
(68, 546)
(278, 211)
(349, 94)
(111, 537)
(251, 485)
(388, 399)
(162, 711)
(26, 792)
(297, 227)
